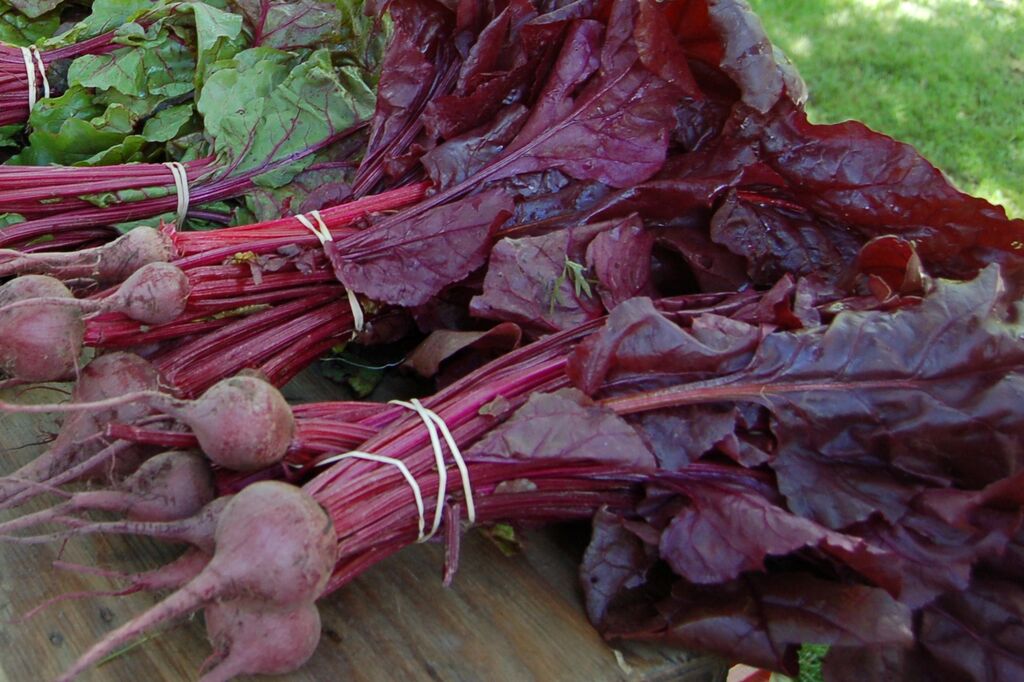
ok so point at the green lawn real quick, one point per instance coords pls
(944, 75)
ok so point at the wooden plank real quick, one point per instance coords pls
(505, 618)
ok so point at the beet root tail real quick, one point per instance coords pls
(177, 605)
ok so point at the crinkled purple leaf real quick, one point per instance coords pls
(462, 156)
(621, 258)
(877, 185)
(959, 507)
(639, 340)
(682, 435)
(497, 67)
(934, 556)
(869, 410)
(788, 304)
(564, 425)
(413, 259)
(579, 59)
(710, 266)
(614, 131)
(416, 67)
(616, 561)
(1010, 564)
(974, 635)
(979, 632)
(924, 390)
(723, 533)
(761, 619)
(776, 240)
(564, 204)
(538, 281)
(659, 47)
(761, 71)
(890, 266)
(442, 344)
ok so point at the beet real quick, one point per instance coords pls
(170, 486)
(107, 264)
(39, 342)
(167, 577)
(107, 376)
(275, 547)
(197, 530)
(154, 294)
(248, 639)
(43, 326)
(241, 423)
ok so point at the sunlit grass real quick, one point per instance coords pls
(944, 75)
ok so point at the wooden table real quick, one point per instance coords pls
(505, 618)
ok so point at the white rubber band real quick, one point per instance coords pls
(358, 321)
(324, 235)
(442, 468)
(428, 416)
(180, 189)
(433, 421)
(320, 229)
(467, 487)
(400, 465)
(42, 70)
(30, 72)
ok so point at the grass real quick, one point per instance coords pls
(811, 656)
(944, 75)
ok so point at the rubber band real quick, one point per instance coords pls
(320, 229)
(400, 465)
(34, 61)
(42, 70)
(180, 189)
(428, 416)
(30, 72)
(358, 321)
(453, 446)
(433, 421)
(442, 468)
(324, 235)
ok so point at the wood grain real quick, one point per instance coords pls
(505, 617)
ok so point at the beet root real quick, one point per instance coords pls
(198, 530)
(274, 545)
(156, 293)
(107, 376)
(108, 264)
(171, 486)
(44, 473)
(168, 577)
(39, 342)
(242, 423)
(250, 640)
